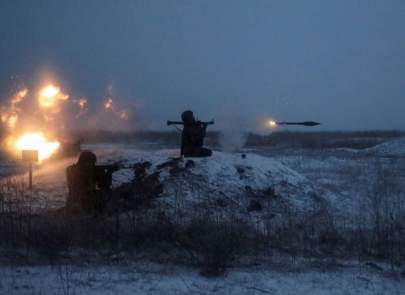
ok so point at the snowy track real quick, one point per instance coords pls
(153, 279)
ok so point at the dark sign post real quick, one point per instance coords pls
(30, 156)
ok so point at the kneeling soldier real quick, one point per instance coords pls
(89, 185)
(192, 136)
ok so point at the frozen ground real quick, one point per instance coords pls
(148, 278)
(392, 148)
(226, 178)
(341, 180)
(354, 177)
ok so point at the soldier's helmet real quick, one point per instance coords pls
(87, 158)
(187, 117)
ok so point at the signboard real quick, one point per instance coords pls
(30, 155)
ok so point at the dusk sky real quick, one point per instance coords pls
(338, 62)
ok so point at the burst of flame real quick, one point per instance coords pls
(37, 141)
(124, 115)
(19, 96)
(82, 103)
(50, 95)
(272, 123)
(12, 120)
(9, 114)
(108, 104)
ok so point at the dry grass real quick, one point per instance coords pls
(211, 244)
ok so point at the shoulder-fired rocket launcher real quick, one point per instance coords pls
(206, 123)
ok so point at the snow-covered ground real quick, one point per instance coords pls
(340, 181)
(335, 175)
(228, 177)
(353, 177)
(392, 148)
(149, 278)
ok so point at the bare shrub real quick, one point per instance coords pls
(65, 276)
(216, 244)
(311, 234)
(385, 204)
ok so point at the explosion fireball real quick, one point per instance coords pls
(27, 116)
(50, 95)
(36, 141)
(9, 115)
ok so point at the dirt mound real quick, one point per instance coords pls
(254, 188)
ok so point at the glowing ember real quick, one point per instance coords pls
(272, 123)
(37, 141)
(50, 95)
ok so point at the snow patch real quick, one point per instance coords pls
(394, 147)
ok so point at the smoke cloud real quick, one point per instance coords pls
(232, 133)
